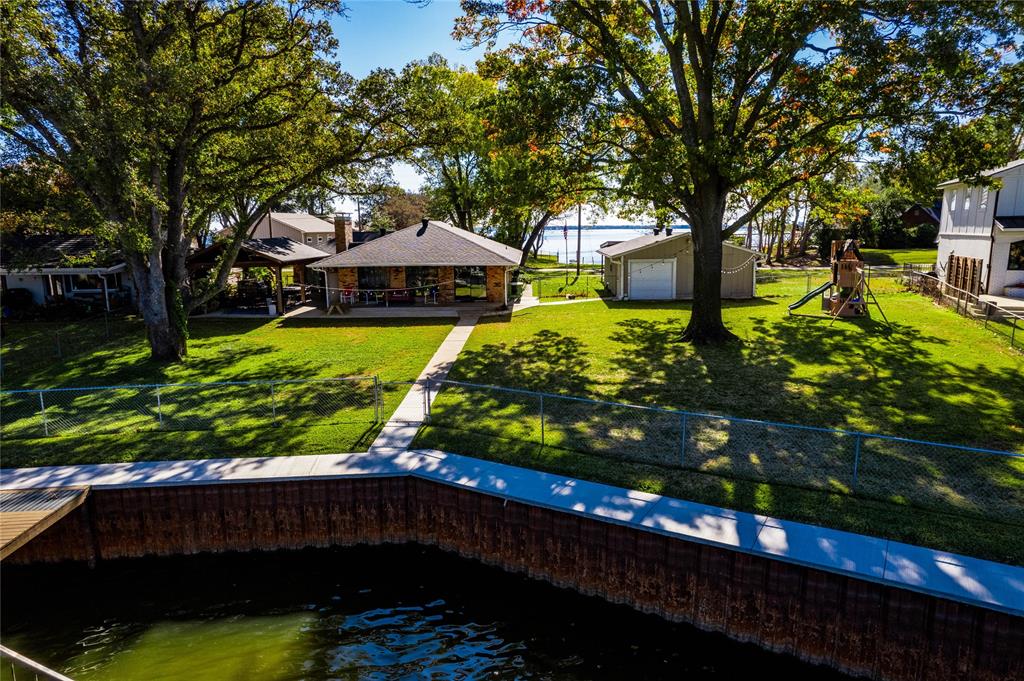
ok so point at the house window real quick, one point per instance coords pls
(85, 282)
(309, 239)
(373, 278)
(320, 239)
(418, 277)
(952, 200)
(967, 200)
(1016, 259)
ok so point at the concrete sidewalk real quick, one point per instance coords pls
(401, 428)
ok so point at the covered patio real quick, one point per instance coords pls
(428, 265)
(251, 295)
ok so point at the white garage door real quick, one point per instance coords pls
(652, 279)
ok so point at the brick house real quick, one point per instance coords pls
(429, 263)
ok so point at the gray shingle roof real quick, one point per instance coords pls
(282, 249)
(437, 244)
(304, 222)
(641, 242)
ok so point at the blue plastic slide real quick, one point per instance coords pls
(816, 292)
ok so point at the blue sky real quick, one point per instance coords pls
(392, 33)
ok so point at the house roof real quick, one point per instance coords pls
(56, 254)
(436, 244)
(304, 222)
(641, 242)
(994, 172)
(282, 249)
(1010, 222)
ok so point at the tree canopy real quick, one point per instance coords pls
(169, 115)
(706, 98)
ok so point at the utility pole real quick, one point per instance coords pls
(579, 237)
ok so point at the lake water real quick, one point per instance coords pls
(381, 613)
(591, 240)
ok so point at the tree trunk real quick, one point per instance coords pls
(706, 326)
(160, 305)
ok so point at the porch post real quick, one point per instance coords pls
(302, 282)
(106, 292)
(505, 289)
(280, 292)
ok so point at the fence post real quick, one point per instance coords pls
(682, 440)
(273, 404)
(377, 400)
(856, 462)
(541, 419)
(42, 410)
(159, 408)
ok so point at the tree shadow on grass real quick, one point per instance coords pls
(862, 376)
(547, 362)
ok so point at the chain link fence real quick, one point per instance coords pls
(189, 406)
(929, 475)
(28, 346)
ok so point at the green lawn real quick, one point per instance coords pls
(932, 375)
(899, 256)
(221, 421)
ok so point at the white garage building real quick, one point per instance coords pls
(660, 267)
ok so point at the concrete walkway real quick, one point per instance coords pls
(400, 430)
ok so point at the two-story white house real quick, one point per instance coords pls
(981, 232)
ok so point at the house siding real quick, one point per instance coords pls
(967, 228)
(735, 285)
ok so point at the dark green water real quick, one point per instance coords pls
(395, 612)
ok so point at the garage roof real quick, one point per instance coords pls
(647, 240)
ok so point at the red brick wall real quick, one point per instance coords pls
(446, 285)
(348, 277)
(396, 277)
(495, 284)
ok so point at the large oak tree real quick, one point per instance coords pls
(168, 115)
(709, 96)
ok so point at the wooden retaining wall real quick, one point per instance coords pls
(853, 625)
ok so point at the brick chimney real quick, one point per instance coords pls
(342, 232)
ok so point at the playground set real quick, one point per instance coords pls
(849, 279)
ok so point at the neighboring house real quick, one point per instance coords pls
(660, 267)
(54, 267)
(919, 214)
(981, 232)
(311, 230)
(430, 262)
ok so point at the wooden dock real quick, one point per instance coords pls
(26, 513)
